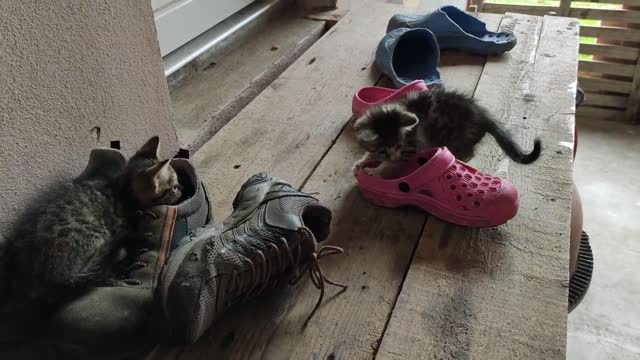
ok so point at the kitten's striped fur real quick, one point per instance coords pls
(68, 243)
(429, 119)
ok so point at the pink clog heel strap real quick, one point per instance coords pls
(375, 95)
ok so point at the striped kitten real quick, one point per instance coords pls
(68, 243)
(425, 120)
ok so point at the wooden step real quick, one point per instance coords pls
(204, 103)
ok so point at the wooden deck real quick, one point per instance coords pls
(418, 288)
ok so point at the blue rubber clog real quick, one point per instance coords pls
(405, 55)
(455, 29)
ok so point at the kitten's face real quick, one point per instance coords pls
(153, 182)
(383, 130)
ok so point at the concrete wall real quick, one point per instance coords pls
(74, 75)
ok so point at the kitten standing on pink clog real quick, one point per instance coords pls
(426, 120)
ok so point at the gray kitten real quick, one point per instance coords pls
(69, 243)
(425, 120)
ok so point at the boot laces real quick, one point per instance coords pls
(136, 264)
(259, 277)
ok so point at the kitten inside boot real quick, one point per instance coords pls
(70, 241)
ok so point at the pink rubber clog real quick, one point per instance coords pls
(375, 95)
(446, 188)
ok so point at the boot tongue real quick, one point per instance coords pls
(103, 164)
(307, 242)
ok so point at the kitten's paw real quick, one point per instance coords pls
(111, 283)
(372, 171)
(365, 165)
(357, 167)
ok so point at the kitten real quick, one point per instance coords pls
(70, 242)
(425, 120)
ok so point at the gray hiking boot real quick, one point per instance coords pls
(114, 320)
(271, 235)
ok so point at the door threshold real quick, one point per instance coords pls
(219, 38)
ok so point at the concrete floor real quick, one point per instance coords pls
(606, 325)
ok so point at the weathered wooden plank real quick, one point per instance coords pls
(632, 114)
(206, 102)
(594, 84)
(475, 5)
(497, 293)
(273, 133)
(606, 14)
(610, 32)
(524, 9)
(633, 107)
(317, 4)
(612, 51)
(461, 71)
(329, 16)
(582, 13)
(606, 68)
(600, 113)
(281, 130)
(565, 5)
(593, 99)
(615, 2)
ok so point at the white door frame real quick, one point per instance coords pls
(179, 21)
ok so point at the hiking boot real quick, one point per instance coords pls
(114, 320)
(271, 235)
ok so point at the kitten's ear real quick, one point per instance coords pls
(150, 148)
(407, 119)
(158, 168)
(359, 123)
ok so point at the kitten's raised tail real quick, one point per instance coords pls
(503, 138)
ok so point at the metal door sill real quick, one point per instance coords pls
(218, 38)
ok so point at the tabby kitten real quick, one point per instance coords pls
(425, 120)
(70, 242)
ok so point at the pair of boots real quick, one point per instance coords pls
(189, 270)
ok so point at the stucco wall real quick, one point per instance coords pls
(68, 68)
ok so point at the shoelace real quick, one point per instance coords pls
(261, 270)
(136, 265)
(317, 276)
